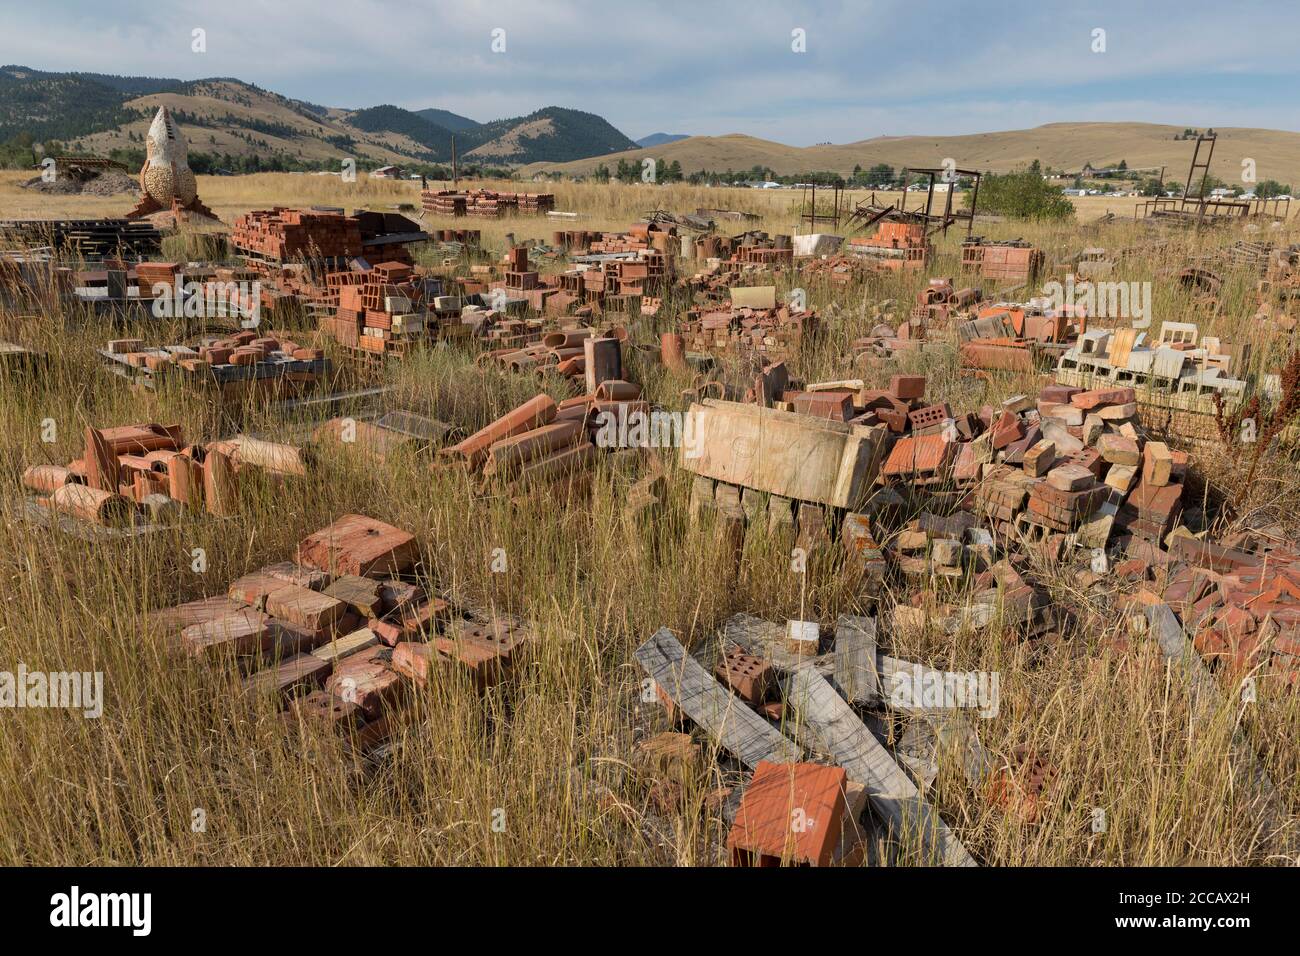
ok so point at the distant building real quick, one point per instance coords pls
(387, 172)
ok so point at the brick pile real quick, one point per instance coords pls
(486, 203)
(544, 441)
(1076, 463)
(343, 636)
(895, 246)
(1241, 601)
(281, 234)
(1011, 260)
(385, 310)
(775, 333)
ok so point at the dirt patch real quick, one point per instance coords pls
(110, 183)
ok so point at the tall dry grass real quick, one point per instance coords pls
(552, 753)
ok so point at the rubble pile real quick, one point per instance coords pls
(343, 636)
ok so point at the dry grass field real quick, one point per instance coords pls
(550, 754)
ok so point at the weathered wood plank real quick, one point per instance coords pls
(726, 717)
(866, 761)
(795, 456)
(856, 674)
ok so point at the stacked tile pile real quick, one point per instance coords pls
(384, 310)
(1011, 260)
(342, 635)
(486, 203)
(282, 233)
(895, 246)
(248, 362)
(132, 472)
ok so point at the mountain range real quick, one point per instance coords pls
(98, 112)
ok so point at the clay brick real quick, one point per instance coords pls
(1119, 450)
(1102, 396)
(244, 632)
(1040, 458)
(299, 671)
(1157, 464)
(1007, 429)
(324, 707)
(413, 659)
(308, 609)
(367, 681)
(359, 546)
(908, 387)
(789, 813)
(362, 594)
(929, 416)
(750, 677)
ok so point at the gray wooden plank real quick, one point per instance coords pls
(892, 793)
(856, 674)
(726, 717)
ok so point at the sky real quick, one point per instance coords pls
(798, 73)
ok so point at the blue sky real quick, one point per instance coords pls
(869, 68)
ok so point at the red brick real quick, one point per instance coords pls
(791, 813)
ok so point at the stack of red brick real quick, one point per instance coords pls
(342, 634)
(282, 233)
(1008, 261)
(383, 310)
(895, 246)
(486, 203)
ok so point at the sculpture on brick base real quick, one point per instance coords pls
(166, 181)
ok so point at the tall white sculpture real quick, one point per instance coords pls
(166, 180)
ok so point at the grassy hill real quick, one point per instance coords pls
(1059, 145)
(98, 113)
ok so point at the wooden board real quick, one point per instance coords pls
(856, 673)
(722, 714)
(893, 795)
(783, 453)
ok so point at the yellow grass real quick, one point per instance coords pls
(176, 737)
